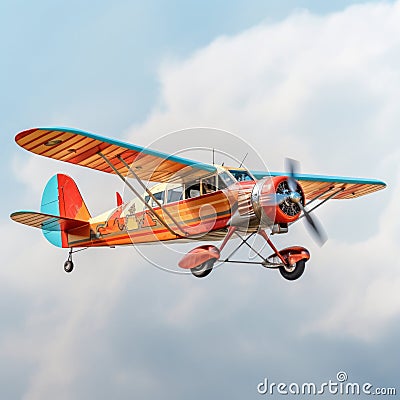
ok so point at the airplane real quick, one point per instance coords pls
(189, 202)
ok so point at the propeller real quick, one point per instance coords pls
(292, 167)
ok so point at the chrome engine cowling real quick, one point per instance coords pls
(274, 203)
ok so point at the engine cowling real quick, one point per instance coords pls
(274, 203)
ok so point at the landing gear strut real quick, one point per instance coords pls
(69, 265)
(290, 261)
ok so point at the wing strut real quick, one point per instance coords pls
(154, 212)
(322, 202)
(151, 195)
(320, 195)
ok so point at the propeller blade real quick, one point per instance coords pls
(292, 167)
(315, 227)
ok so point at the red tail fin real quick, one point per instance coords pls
(61, 197)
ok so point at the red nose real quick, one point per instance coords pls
(274, 202)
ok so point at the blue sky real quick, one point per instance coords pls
(314, 80)
(60, 57)
(94, 65)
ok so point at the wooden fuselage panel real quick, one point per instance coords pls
(125, 225)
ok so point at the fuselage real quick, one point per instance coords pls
(202, 210)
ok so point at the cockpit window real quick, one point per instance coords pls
(209, 185)
(192, 190)
(240, 176)
(175, 194)
(159, 196)
(224, 180)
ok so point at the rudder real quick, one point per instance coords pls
(61, 197)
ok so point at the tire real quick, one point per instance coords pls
(203, 269)
(295, 272)
(68, 266)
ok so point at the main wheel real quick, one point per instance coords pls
(68, 266)
(293, 272)
(203, 269)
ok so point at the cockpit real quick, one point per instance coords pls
(175, 192)
(241, 175)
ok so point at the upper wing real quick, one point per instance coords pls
(326, 186)
(83, 148)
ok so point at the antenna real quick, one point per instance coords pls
(213, 156)
(243, 160)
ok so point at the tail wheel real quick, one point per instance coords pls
(68, 266)
(204, 269)
(293, 272)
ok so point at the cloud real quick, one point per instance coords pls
(322, 89)
(305, 84)
(367, 282)
(59, 317)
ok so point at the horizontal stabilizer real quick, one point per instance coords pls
(48, 222)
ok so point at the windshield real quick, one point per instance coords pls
(240, 175)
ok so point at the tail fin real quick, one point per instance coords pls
(64, 216)
(63, 213)
(61, 197)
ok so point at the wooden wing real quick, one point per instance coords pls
(85, 149)
(334, 187)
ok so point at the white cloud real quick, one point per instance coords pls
(315, 87)
(63, 313)
(323, 90)
(366, 280)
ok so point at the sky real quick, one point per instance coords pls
(315, 81)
